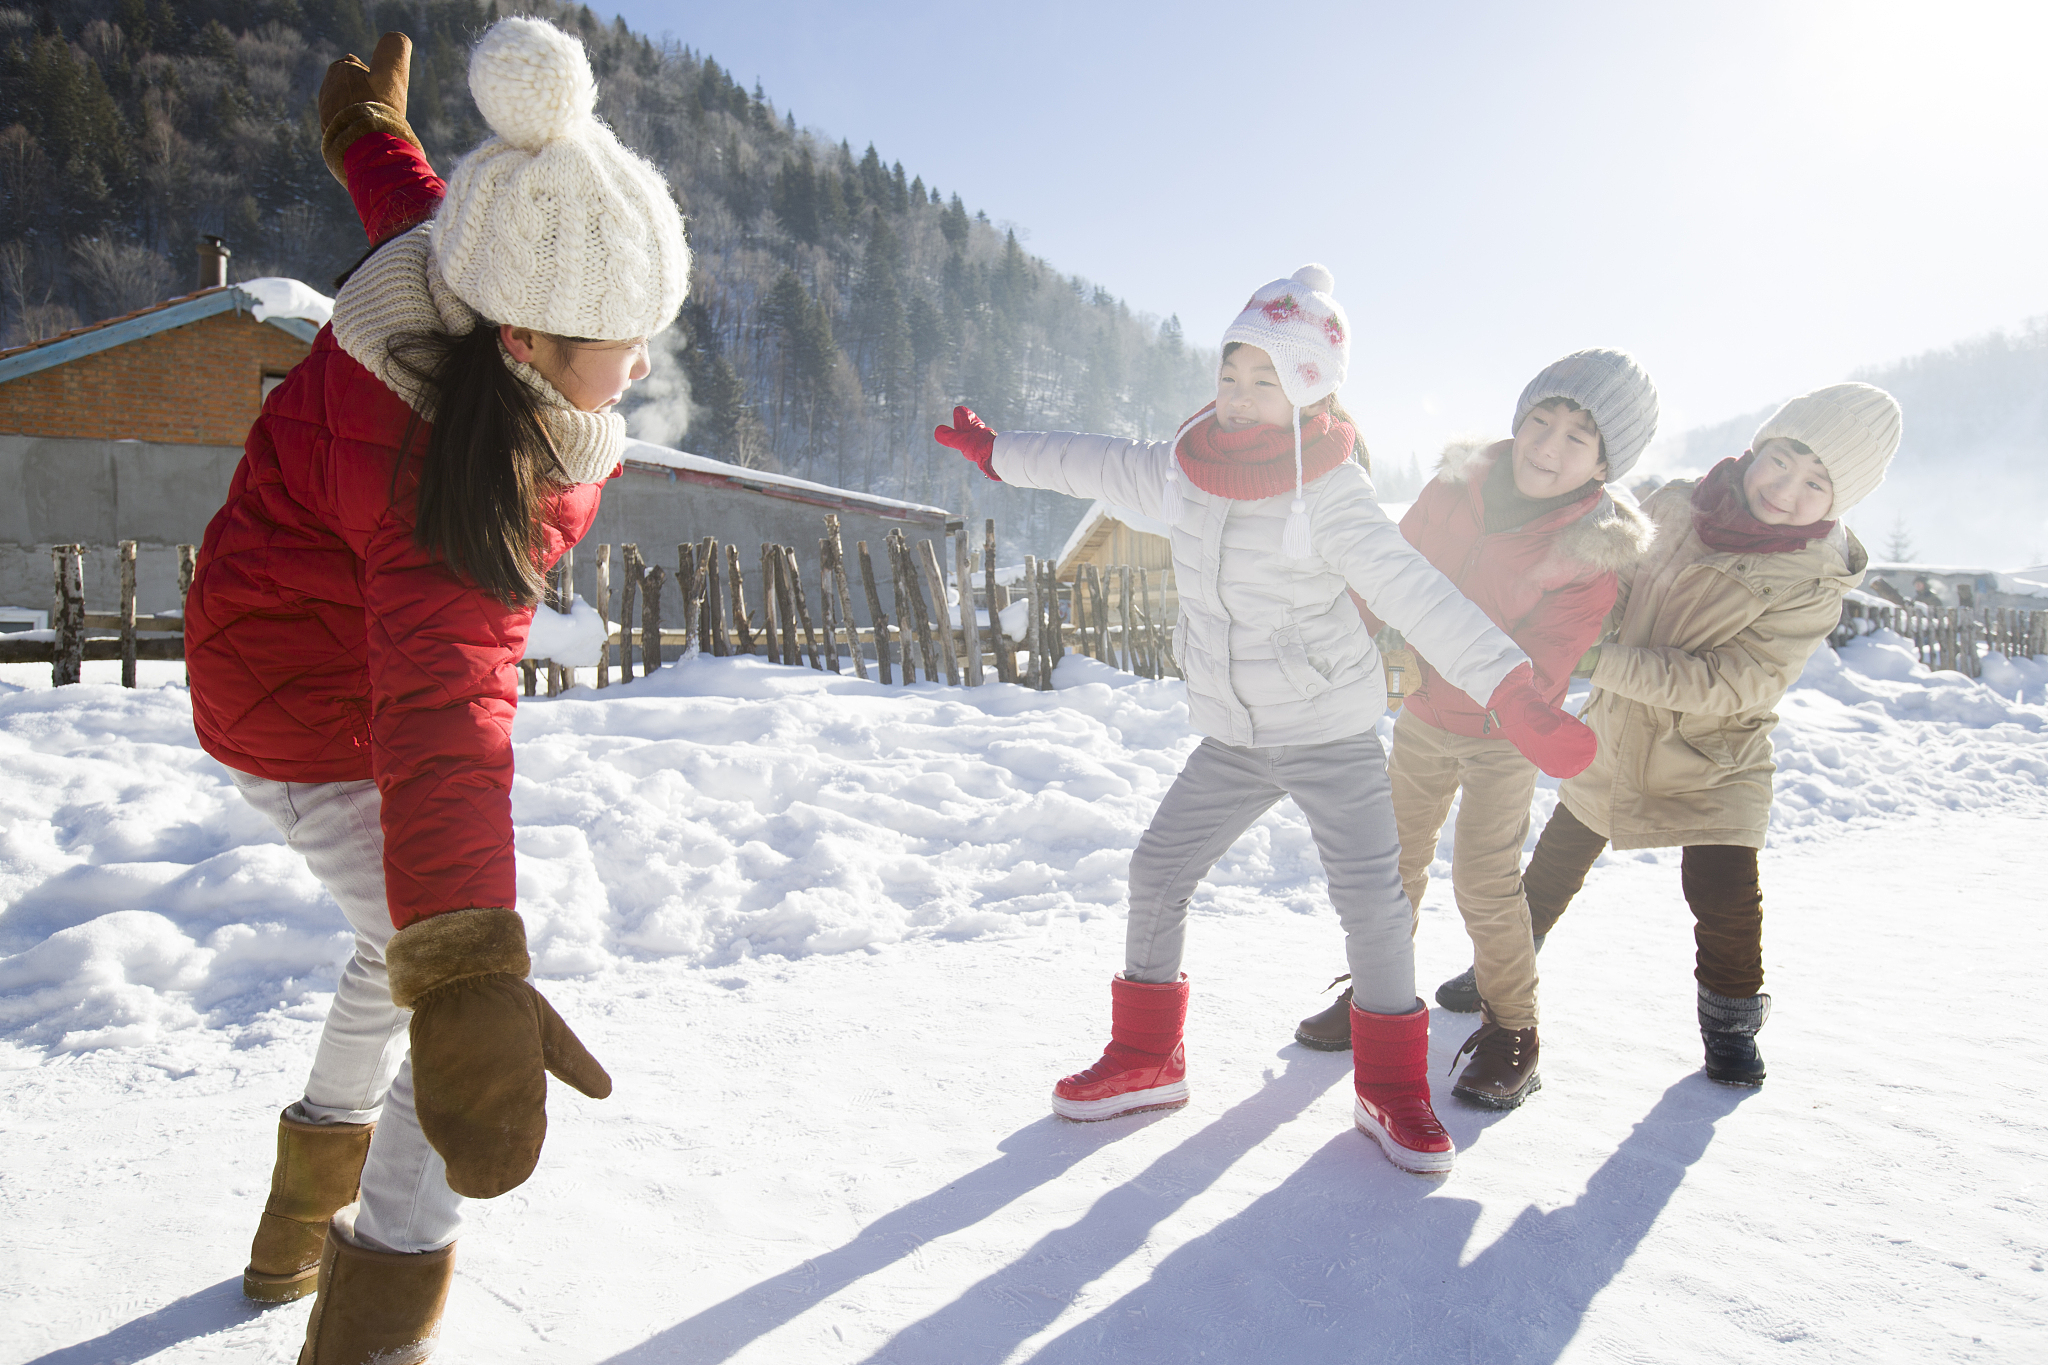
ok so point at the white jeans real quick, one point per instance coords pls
(361, 1073)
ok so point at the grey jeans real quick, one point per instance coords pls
(361, 1073)
(1341, 787)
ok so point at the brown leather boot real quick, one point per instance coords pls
(376, 1307)
(319, 1167)
(1503, 1069)
(1329, 1031)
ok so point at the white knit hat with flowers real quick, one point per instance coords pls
(1301, 326)
(1852, 429)
(551, 223)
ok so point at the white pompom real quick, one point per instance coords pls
(532, 82)
(1294, 541)
(1317, 279)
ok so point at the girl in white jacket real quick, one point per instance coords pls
(1272, 521)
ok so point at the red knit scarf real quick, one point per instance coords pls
(1722, 517)
(1258, 462)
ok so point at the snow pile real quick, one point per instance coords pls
(572, 638)
(278, 297)
(728, 808)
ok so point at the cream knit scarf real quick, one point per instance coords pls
(397, 291)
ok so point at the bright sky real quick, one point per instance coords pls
(1754, 198)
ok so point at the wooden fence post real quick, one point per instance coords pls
(867, 579)
(713, 625)
(1055, 623)
(742, 630)
(604, 612)
(970, 630)
(771, 630)
(910, 604)
(935, 579)
(67, 656)
(1034, 624)
(794, 574)
(127, 613)
(828, 607)
(631, 572)
(998, 598)
(686, 594)
(1124, 614)
(650, 619)
(844, 596)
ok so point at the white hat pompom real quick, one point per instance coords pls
(1317, 279)
(532, 82)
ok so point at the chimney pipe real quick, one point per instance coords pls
(213, 262)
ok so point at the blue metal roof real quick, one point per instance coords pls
(135, 326)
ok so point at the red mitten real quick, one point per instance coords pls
(972, 437)
(1548, 737)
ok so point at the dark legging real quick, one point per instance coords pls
(1720, 884)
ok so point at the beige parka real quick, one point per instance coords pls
(1705, 644)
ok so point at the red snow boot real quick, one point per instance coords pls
(1390, 1061)
(1145, 1065)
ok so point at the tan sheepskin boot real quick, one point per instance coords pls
(376, 1307)
(319, 1167)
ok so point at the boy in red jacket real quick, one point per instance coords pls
(1529, 533)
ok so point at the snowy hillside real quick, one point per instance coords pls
(835, 941)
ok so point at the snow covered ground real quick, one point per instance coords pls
(834, 942)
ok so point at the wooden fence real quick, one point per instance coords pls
(79, 635)
(1113, 617)
(1950, 638)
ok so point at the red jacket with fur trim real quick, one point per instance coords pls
(324, 646)
(1549, 584)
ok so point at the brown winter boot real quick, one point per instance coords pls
(376, 1307)
(1329, 1031)
(1503, 1069)
(318, 1169)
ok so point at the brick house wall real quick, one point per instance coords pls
(199, 384)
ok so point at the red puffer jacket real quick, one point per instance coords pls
(1548, 584)
(324, 646)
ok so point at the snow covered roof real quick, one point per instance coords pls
(1099, 512)
(289, 305)
(648, 454)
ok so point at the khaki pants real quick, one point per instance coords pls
(1428, 768)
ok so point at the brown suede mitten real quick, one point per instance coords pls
(356, 99)
(482, 1039)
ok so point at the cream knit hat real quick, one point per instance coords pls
(1853, 429)
(1299, 323)
(552, 223)
(1611, 386)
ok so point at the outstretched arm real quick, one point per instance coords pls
(1111, 469)
(368, 145)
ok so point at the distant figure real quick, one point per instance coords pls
(1924, 594)
(1966, 597)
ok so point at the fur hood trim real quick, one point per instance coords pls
(1610, 536)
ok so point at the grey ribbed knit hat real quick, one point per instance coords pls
(1853, 429)
(1611, 386)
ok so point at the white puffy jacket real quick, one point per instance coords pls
(1273, 650)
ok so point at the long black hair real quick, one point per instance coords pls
(488, 465)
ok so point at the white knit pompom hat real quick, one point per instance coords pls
(1852, 429)
(1299, 323)
(1614, 389)
(551, 223)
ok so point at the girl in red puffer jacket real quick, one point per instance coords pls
(353, 630)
